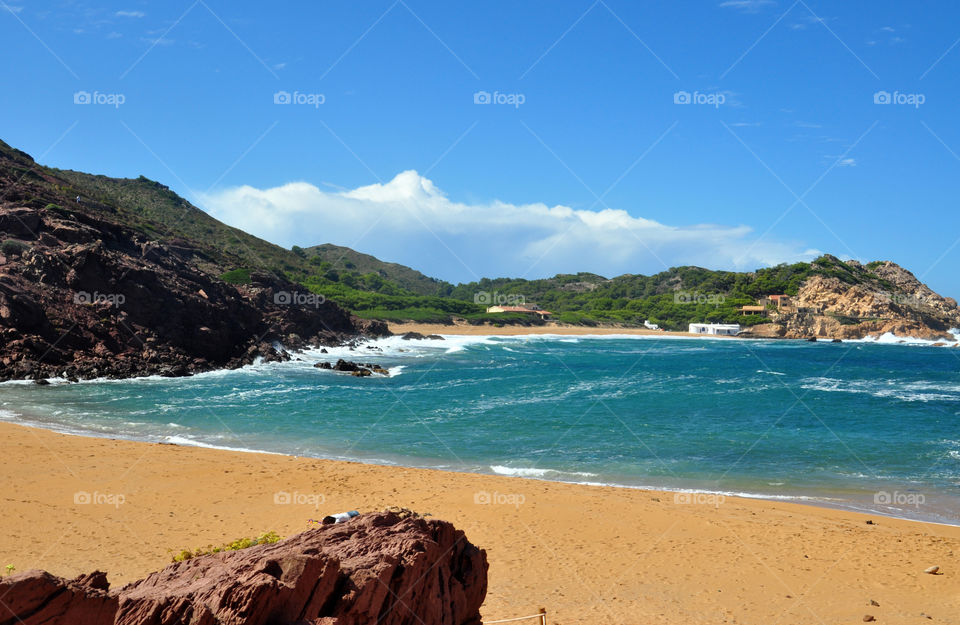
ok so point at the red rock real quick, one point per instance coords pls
(377, 568)
(37, 597)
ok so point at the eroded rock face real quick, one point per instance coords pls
(377, 568)
(827, 307)
(84, 297)
(89, 290)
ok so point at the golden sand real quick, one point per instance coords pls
(587, 554)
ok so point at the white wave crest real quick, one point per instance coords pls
(533, 472)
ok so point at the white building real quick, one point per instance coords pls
(719, 329)
(650, 326)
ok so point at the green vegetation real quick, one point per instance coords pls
(12, 247)
(337, 258)
(10, 569)
(236, 276)
(240, 543)
(672, 299)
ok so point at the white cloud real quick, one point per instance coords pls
(158, 41)
(847, 162)
(411, 221)
(130, 14)
(746, 5)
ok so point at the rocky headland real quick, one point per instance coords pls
(869, 300)
(88, 291)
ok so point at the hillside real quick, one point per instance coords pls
(341, 259)
(828, 298)
(102, 287)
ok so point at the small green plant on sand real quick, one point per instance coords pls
(240, 543)
(10, 569)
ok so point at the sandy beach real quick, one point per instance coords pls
(586, 554)
(466, 329)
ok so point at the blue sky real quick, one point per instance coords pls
(586, 155)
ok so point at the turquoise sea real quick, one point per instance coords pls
(863, 425)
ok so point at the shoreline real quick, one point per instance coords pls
(827, 500)
(598, 551)
(461, 328)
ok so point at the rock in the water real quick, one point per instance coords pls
(420, 337)
(381, 568)
(346, 365)
(353, 368)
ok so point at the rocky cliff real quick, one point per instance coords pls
(381, 568)
(85, 294)
(864, 301)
